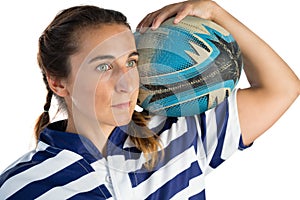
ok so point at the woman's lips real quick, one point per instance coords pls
(124, 105)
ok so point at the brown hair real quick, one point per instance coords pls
(58, 42)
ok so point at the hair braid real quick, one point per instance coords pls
(44, 119)
(145, 139)
(49, 95)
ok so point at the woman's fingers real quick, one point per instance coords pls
(164, 14)
(199, 8)
(146, 22)
(154, 19)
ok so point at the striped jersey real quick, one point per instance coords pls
(68, 166)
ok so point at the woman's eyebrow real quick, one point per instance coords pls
(102, 57)
(135, 53)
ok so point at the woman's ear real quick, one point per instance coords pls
(58, 86)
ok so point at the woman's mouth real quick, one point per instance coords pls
(124, 105)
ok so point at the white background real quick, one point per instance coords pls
(269, 170)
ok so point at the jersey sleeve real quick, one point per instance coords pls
(220, 133)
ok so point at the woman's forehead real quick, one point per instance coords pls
(115, 40)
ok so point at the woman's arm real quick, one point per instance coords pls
(274, 86)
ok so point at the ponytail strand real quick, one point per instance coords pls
(44, 119)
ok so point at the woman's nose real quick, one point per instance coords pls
(128, 80)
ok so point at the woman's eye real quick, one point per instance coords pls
(131, 63)
(104, 67)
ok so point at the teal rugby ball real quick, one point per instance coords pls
(187, 68)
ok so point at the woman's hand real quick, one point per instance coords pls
(274, 86)
(199, 8)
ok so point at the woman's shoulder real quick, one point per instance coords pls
(40, 170)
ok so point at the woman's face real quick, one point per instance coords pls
(103, 84)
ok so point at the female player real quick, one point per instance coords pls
(105, 149)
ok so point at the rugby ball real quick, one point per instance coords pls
(186, 68)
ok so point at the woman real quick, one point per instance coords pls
(89, 63)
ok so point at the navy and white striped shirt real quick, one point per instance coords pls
(68, 166)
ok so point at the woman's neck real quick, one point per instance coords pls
(93, 130)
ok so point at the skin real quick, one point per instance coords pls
(102, 89)
(274, 86)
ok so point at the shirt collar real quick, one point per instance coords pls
(55, 135)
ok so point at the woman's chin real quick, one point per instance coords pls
(122, 116)
(122, 119)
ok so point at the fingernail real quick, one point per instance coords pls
(153, 28)
(140, 29)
